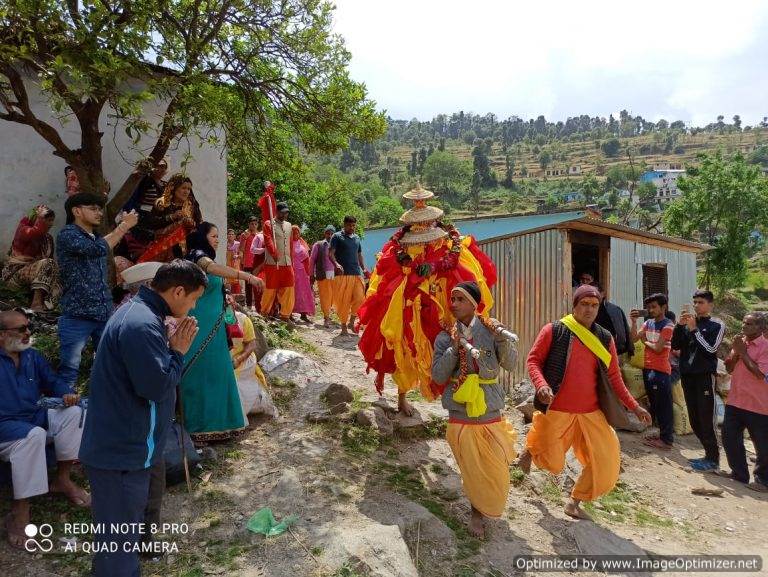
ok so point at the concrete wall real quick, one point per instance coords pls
(31, 175)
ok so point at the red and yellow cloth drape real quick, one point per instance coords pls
(404, 312)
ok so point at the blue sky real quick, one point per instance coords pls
(673, 59)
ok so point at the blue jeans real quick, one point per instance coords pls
(74, 334)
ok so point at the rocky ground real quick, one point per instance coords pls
(377, 494)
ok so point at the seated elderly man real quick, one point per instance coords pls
(25, 428)
(31, 263)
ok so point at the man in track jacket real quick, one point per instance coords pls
(697, 337)
(131, 405)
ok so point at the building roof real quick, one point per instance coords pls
(585, 223)
(507, 226)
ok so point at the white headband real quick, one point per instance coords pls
(465, 292)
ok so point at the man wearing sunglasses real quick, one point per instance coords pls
(25, 428)
(86, 300)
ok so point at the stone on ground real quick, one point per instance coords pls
(382, 548)
(377, 418)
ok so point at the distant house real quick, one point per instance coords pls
(554, 172)
(572, 197)
(667, 166)
(665, 182)
(574, 170)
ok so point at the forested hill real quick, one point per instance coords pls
(478, 163)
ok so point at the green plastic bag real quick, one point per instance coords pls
(264, 522)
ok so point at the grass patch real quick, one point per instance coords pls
(616, 505)
(435, 428)
(351, 569)
(624, 505)
(215, 499)
(516, 476)
(414, 395)
(552, 492)
(278, 336)
(408, 482)
(193, 562)
(283, 392)
(358, 404)
(360, 440)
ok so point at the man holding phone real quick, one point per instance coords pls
(697, 336)
(656, 334)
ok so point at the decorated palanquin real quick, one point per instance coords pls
(408, 299)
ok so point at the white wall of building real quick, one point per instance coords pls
(30, 174)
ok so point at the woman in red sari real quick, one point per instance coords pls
(173, 217)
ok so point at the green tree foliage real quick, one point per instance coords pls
(448, 176)
(545, 158)
(482, 166)
(759, 155)
(646, 195)
(611, 147)
(385, 211)
(249, 68)
(721, 205)
(590, 188)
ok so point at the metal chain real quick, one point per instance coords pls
(205, 343)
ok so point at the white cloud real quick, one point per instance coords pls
(660, 58)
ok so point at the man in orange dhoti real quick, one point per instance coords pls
(482, 441)
(278, 267)
(565, 364)
(346, 254)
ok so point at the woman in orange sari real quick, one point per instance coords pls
(173, 217)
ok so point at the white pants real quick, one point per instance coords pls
(27, 455)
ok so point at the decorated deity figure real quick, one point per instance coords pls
(408, 299)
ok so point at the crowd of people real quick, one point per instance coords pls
(171, 336)
(164, 256)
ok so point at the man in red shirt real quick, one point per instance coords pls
(656, 334)
(31, 263)
(564, 365)
(747, 404)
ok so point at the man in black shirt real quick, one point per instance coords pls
(612, 318)
(697, 336)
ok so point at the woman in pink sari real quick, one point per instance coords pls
(305, 298)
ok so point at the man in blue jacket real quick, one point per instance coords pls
(26, 428)
(131, 406)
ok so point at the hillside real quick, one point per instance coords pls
(506, 166)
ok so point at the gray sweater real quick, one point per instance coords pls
(496, 352)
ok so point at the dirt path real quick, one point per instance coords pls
(369, 504)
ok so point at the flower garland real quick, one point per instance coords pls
(462, 352)
(447, 262)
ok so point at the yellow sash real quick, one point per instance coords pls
(588, 339)
(472, 395)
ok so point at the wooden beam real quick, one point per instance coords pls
(634, 237)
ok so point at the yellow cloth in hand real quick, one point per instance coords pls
(588, 339)
(471, 394)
